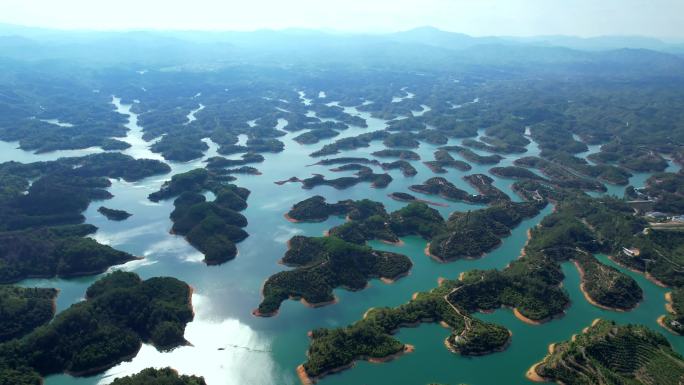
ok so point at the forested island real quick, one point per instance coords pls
(24, 309)
(113, 214)
(323, 264)
(371, 338)
(212, 227)
(120, 312)
(606, 353)
(164, 376)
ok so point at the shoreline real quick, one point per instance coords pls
(104, 367)
(670, 310)
(524, 319)
(398, 243)
(314, 305)
(532, 374)
(306, 379)
(644, 273)
(427, 202)
(392, 280)
(586, 294)
(293, 220)
(661, 322)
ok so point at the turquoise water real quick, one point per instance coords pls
(264, 351)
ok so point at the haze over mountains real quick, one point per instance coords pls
(172, 46)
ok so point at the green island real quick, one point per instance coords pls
(211, 227)
(347, 159)
(396, 153)
(61, 251)
(443, 160)
(472, 156)
(120, 312)
(164, 376)
(447, 190)
(113, 214)
(609, 354)
(350, 143)
(560, 174)
(406, 168)
(323, 264)
(365, 175)
(401, 139)
(485, 186)
(514, 172)
(41, 239)
(24, 309)
(630, 156)
(474, 233)
(314, 136)
(316, 209)
(371, 338)
(494, 145)
(218, 162)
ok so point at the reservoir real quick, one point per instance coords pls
(230, 346)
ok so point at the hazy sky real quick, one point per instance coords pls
(663, 18)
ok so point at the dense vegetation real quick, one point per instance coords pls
(608, 354)
(57, 251)
(41, 234)
(316, 209)
(444, 160)
(473, 233)
(211, 227)
(447, 190)
(324, 264)
(120, 312)
(363, 175)
(371, 337)
(24, 309)
(165, 376)
(472, 156)
(113, 214)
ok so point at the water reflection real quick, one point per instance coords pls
(219, 350)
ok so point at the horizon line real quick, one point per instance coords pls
(330, 31)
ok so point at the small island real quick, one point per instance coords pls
(113, 214)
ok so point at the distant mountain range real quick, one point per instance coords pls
(424, 47)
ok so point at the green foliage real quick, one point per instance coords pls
(326, 263)
(53, 252)
(112, 214)
(120, 312)
(165, 376)
(610, 354)
(24, 309)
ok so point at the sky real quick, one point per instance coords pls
(657, 18)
